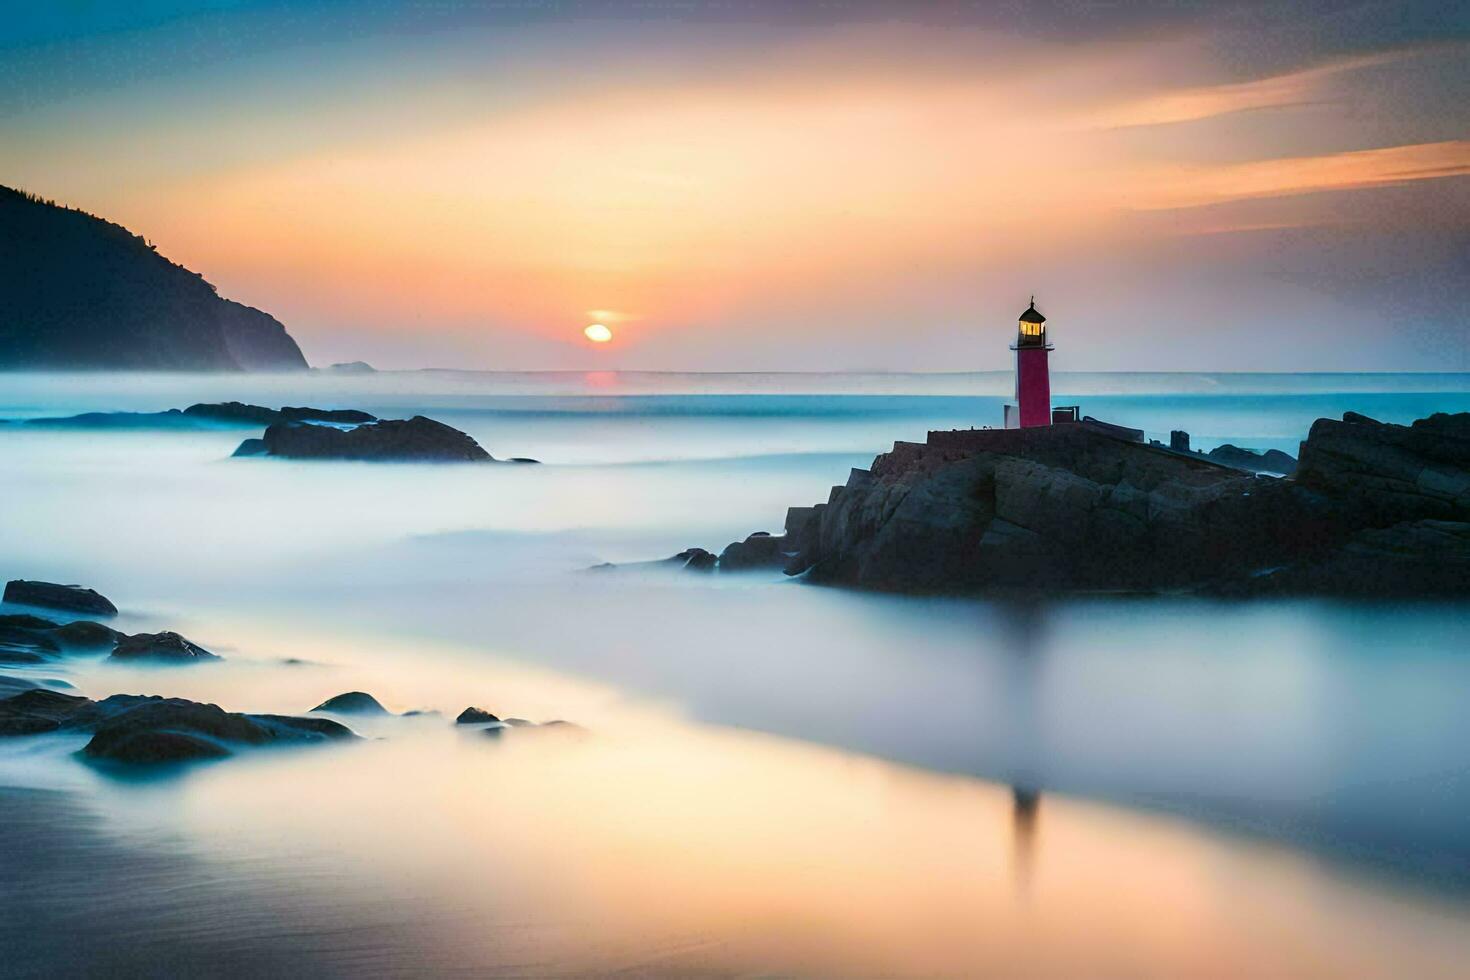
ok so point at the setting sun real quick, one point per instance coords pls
(598, 333)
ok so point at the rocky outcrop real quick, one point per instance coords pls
(1373, 509)
(50, 595)
(136, 729)
(352, 703)
(167, 647)
(415, 440)
(1385, 474)
(78, 292)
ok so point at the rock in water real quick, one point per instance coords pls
(416, 440)
(52, 596)
(694, 560)
(1372, 509)
(38, 710)
(81, 292)
(86, 635)
(759, 550)
(251, 447)
(239, 412)
(166, 646)
(475, 716)
(133, 729)
(353, 702)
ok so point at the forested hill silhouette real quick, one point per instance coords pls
(77, 291)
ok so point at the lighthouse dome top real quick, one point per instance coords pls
(1032, 315)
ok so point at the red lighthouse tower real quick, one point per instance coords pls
(1033, 379)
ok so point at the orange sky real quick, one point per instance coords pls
(849, 196)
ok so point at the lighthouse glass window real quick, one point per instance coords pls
(1029, 329)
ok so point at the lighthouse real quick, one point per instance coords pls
(1033, 380)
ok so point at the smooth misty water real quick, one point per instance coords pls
(777, 777)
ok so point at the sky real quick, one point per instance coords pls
(740, 185)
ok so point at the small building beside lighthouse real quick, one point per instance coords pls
(1033, 375)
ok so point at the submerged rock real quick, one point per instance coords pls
(166, 646)
(201, 416)
(418, 439)
(349, 367)
(244, 414)
(522, 725)
(353, 702)
(50, 595)
(475, 716)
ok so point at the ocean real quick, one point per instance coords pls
(772, 777)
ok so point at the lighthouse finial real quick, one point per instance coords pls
(1033, 301)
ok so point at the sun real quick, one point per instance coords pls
(598, 333)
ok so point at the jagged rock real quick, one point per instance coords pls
(759, 550)
(167, 646)
(418, 439)
(353, 702)
(475, 716)
(53, 596)
(1387, 474)
(1088, 507)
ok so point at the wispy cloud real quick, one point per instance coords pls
(1185, 187)
(1204, 102)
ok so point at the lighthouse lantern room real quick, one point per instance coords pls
(1033, 380)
